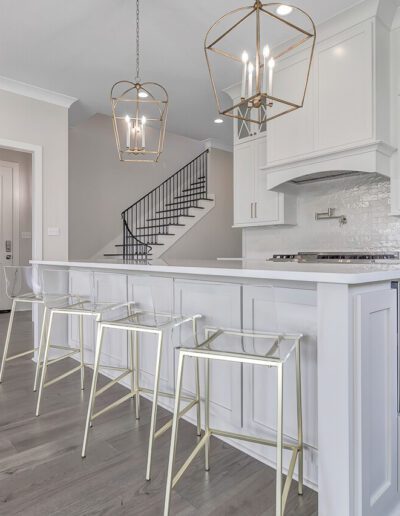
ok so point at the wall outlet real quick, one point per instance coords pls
(53, 231)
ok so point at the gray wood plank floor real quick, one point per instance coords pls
(42, 473)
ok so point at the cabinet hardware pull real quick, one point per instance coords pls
(255, 210)
(251, 210)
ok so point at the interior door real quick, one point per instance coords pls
(6, 228)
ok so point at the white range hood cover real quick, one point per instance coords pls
(367, 158)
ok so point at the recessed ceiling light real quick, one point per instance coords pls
(218, 121)
(284, 10)
(143, 94)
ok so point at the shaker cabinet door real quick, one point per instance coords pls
(243, 183)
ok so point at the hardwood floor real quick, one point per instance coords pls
(42, 473)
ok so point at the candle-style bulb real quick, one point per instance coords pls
(245, 57)
(266, 52)
(271, 63)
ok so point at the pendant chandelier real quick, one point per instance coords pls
(139, 115)
(252, 54)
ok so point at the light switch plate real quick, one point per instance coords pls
(53, 231)
(26, 234)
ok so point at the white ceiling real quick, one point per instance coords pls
(81, 47)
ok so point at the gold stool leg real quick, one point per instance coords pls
(99, 343)
(41, 346)
(197, 380)
(174, 434)
(279, 507)
(8, 337)
(154, 407)
(299, 419)
(136, 374)
(207, 416)
(81, 345)
(44, 365)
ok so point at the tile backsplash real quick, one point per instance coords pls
(363, 199)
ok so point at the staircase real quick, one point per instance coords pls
(163, 215)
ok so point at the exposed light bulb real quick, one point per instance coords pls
(266, 51)
(218, 121)
(127, 119)
(245, 57)
(271, 63)
(251, 67)
(284, 10)
(144, 120)
(143, 94)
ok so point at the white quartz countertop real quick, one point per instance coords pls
(257, 269)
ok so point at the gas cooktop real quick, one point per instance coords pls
(335, 257)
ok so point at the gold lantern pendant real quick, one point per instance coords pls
(257, 97)
(139, 115)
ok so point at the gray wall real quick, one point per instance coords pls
(27, 120)
(24, 161)
(213, 236)
(100, 187)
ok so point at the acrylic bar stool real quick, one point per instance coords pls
(70, 298)
(261, 349)
(21, 288)
(142, 318)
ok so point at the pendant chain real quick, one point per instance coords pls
(137, 42)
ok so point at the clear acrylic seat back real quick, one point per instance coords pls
(20, 282)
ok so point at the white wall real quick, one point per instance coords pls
(101, 187)
(24, 196)
(31, 121)
(365, 200)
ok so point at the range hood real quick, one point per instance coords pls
(358, 159)
(345, 124)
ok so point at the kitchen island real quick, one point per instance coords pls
(348, 316)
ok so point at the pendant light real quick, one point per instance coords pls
(253, 47)
(139, 115)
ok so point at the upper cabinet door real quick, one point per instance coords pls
(345, 95)
(266, 203)
(243, 170)
(292, 134)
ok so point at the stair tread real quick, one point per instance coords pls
(144, 244)
(192, 189)
(182, 208)
(190, 195)
(159, 226)
(155, 234)
(168, 217)
(127, 254)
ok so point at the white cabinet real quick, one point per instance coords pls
(295, 310)
(344, 123)
(376, 347)
(254, 204)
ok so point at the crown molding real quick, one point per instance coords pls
(213, 143)
(34, 92)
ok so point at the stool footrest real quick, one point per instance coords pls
(188, 461)
(253, 439)
(113, 405)
(24, 353)
(62, 376)
(168, 425)
(112, 382)
(67, 355)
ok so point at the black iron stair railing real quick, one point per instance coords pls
(164, 207)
